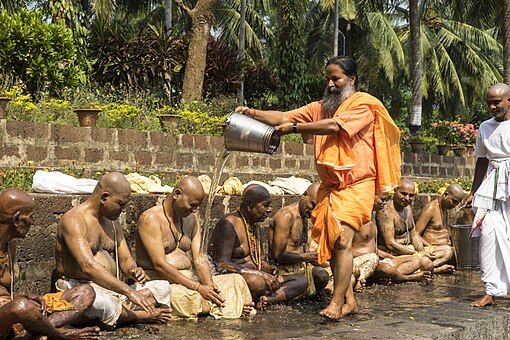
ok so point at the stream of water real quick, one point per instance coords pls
(218, 171)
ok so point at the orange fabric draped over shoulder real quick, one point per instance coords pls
(351, 202)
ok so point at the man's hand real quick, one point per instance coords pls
(245, 110)
(284, 129)
(138, 274)
(212, 293)
(468, 201)
(142, 301)
(431, 256)
(310, 257)
(271, 281)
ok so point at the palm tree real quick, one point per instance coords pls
(416, 65)
(506, 41)
(240, 54)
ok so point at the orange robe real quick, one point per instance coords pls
(362, 159)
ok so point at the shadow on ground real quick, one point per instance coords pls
(436, 310)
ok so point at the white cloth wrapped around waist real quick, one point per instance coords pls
(108, 305)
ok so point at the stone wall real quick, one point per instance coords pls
(48, 145)
(35, 253)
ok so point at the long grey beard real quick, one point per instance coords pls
(333, 98)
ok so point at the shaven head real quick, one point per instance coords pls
(254, 194)
(190, 184)
(14, 201)
(452, 196)
(309, 200)
(255, 203)
(114, 183)
(498, 102)
(187, 196)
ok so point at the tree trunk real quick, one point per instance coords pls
(201, 20)
(506, 41)
(416, 68)
(240, 53)
(335, 34)
(168, 16)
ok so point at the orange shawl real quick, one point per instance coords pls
(353, 205)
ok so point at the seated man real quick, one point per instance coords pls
(366, 263)
(86, 236)
(287, 237)
(433, 223)
(168, 240)
(397, 234)
(236, 248)
(37, 315)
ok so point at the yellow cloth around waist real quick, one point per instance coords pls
(302, 268)
(55, 303)
(350, 206)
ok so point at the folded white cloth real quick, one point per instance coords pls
(273, 190)
(55, 182)
(292, 185)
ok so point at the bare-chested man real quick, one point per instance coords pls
(397, 233)
(396, 268)
(168, 248)
(86, 236)
(38, 315)
(235, 248)
(433, 223)
(287, 238)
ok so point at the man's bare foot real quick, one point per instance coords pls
(88, 333)
(444, 269)
(360, 284)
(262, 303)
(333, 311)
(160, 315)
(350, 308)
(486, 300)
(248, 309)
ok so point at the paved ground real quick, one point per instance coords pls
(437, 310)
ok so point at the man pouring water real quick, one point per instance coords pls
(357, 154)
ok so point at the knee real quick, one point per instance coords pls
(256, 284)
(320, 276)
(343, 243)
(426, 264)
(24, 309)
(85, 297)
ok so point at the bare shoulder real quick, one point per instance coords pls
(72, 220)
(386, 212)
(429, 208)
(284, 218)
(150, 217)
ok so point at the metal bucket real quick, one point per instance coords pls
(244, 133)
(466, 249)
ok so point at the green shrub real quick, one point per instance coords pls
(41, 55)
(434, 185)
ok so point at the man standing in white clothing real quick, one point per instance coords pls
(491, 196)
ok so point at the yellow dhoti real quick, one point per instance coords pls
(300, 269)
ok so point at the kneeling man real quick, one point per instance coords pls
(86, 236)
(287, 238)
(236, 248)
(168, 248)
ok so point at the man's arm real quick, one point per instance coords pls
(283, 222)
(426, 214)
(481, 166)
(76, 243)
(385, 223)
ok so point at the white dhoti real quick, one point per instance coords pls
(492, 224)
(107, 306)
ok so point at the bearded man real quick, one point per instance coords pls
(357, 155)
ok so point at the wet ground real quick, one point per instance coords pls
(436, 310)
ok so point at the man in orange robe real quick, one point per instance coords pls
(357, 155)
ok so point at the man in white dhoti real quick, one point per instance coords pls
(87, 237)
(491, 196)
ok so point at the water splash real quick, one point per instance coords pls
(218, 170)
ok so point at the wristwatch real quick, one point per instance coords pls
(294, 127)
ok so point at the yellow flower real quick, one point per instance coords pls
(21, 175)
(30, 162)
(98, 172)
(2, 174)
(73, 161)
